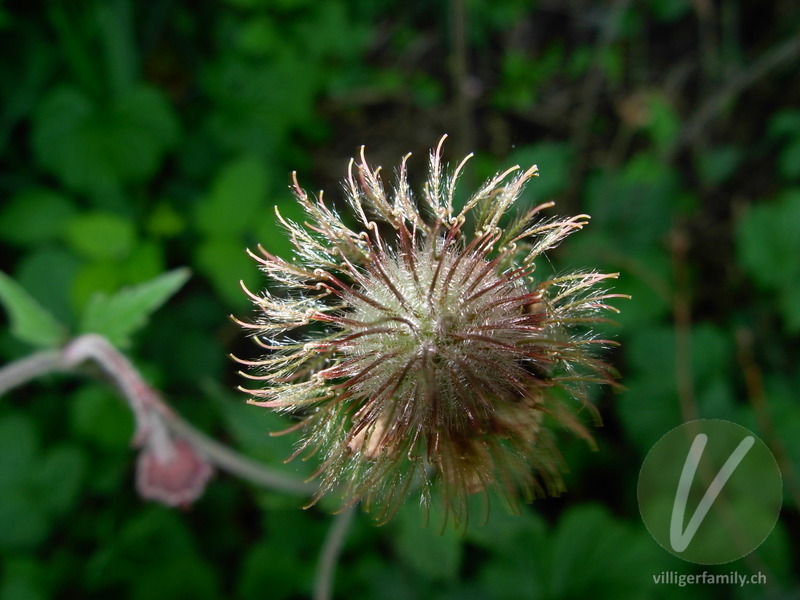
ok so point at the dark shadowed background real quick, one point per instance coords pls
(138, 137)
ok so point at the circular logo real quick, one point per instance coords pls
(710, 491)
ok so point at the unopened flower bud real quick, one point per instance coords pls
(437, 350)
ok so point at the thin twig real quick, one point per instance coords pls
(29, 368)
(144, 402)
(708, 111)
(459, 69)
(758, 400)
(236, 464)
(682, 314)
(708, 38)
(136, 391)
(329, 555)
(581, 129)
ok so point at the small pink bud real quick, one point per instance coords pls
(175, 478)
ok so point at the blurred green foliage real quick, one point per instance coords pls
(140, 138)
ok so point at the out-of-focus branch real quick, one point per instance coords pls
(331, 549)
(712, 106)
(593, 86)
(682, 315)
(176, 460)
(758, 400)
(459, 69)
(234, 463)
(29, 368)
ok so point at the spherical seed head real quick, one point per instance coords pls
(437, 354)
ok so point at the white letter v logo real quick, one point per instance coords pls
(680, 540)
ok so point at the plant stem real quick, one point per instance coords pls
(145, 403)
(696, 125)
(459, 73)
(29, 368)
(331, 549)
(236, 464)
(682, 315)
(757, 397)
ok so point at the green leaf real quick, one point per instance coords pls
(669, 11)
(97, 415)
(789, 161)
(157, 542)
(594, 555)
(59, 476)
(100, 236)
(34, 216)
(330, 33)
(177, 577)
(648, 407)
(776, 556)
(768, 246)
(554, 160)
(24, 578)
(785, 411)
(238, 190)
(145, 261)
(271, 235)
(118, 316)
(785, 123)
(48, 274)
(664, 123)
(92, 279)
(431, 553)
(19, 443)
(95, 147)
(259, 36)
(255, 110)
(224, 262)
(165, 221)
(503, 532)
(250, 427)
(279, 562)
(30, 322)
(23, 522)
(789, 305)
(717, 165)
(643, 192)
